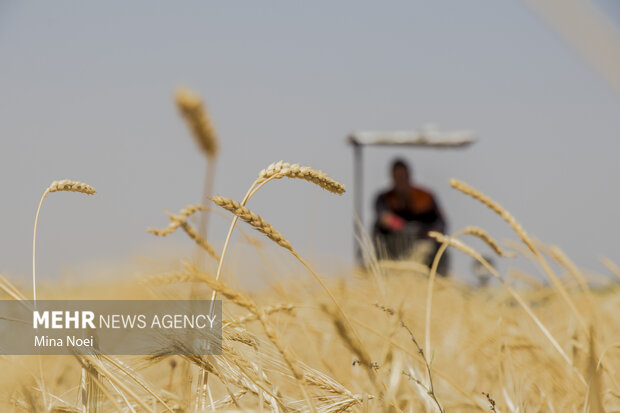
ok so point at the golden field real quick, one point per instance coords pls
(481, 341)
(391, 336)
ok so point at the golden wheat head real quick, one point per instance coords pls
(495, 207)
(253, 219)
(191, 107)
(281, 169)
(71, 186)
(487, 239)
(176, 220)
(180, 221)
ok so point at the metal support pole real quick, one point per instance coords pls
(358, 200)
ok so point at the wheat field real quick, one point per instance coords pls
(391, 336)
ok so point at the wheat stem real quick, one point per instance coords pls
(34, 248)
(203, 224)
(247, 303)
(56, 186)
(459, 245)
(518, 228)
(429, 296)
(220, 264)
(417, 356)
(470, 230)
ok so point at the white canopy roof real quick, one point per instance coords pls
(428, 137)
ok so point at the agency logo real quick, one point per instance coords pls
(114, 327)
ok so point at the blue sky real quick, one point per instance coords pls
(87, 94)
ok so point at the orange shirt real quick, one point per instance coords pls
(419, 206)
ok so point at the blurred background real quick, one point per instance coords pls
(86, 93)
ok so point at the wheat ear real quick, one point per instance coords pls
(56, 186)
(487, 239)
(180, 221)
(200, 241)
(495, 207)
(191, 107)
(176, 220)
(253, 219)
(518, 228)
(281, 169)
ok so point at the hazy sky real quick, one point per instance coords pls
(86, 93)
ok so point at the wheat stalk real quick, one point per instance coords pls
(429, 295)
(56, 186)
(91, 401)
(611, 266)
(430, 389)
(518, 228)
(286, 308)
(281, 169)
(134, 376)
(470, 230)
(561, 258)
(244, 301)
(594, 395)
(89, 362)
(416, 355)
(197, 119)
(528, 279)
(459, 245)
(11, 290)
(351, 342)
